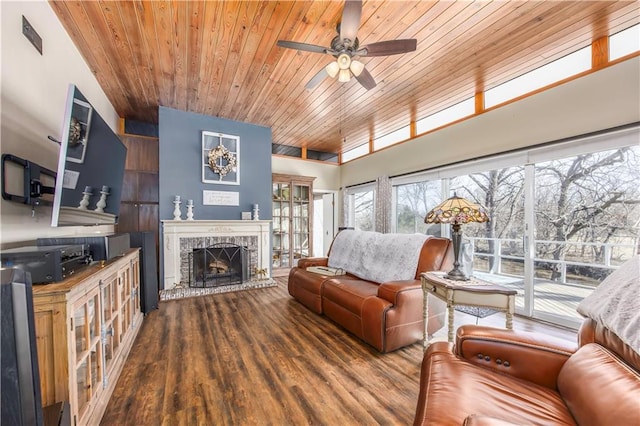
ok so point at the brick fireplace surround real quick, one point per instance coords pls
(181, 236)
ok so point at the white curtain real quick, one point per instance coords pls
(345, 209)
(383, 204)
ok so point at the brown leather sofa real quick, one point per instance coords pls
(503, 377)
(385, 315)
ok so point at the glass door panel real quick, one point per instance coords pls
(135, 288)
(281, 192)
(115, 302)
(109, 348)
(111, 317)
(301, 224)
(80, 334)
(300, 193)
(115, 333)
(125, 309)
(93, 309)
(106, 303)
(301, 210)
(95, 364)
(494, 250)
(82, 385)
(584, 224)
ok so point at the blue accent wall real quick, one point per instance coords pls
(180, 172)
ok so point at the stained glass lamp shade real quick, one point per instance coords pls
(456, 211)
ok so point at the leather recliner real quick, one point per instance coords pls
(501, 377)
(388, 315)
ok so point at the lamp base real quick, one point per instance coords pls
(456, 275)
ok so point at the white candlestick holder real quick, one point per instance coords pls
(189, 211)
(102, 203)
(176, 210)
(86, 194)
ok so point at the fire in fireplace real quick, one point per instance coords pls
(218, 265)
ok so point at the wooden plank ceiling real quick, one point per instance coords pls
(220, 58)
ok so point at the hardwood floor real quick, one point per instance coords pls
(258, 357)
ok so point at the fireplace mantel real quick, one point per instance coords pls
(174, 230)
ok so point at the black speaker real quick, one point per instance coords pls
(148, 269)
(21, 403)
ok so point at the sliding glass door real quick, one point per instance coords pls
(562, 218)
(496, 247)
(586, 213)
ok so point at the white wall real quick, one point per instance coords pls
(33, 93)
(601, 100)
(327, 175)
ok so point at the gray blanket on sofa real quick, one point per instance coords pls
(615, 303)
(377, 257)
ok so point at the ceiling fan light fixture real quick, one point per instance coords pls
(344, 76)
(344, 61)
(356, 68)
(332, 69)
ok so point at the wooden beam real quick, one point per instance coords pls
(600, 52)
(479, 98)
(413, 117)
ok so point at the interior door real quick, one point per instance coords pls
(328, 225)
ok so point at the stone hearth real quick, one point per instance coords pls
(180, 237)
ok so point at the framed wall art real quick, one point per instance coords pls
(79, 127)
(220, 158)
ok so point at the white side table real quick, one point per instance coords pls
(475, 292)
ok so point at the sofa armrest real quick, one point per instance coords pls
(312, 261)
(534, 357)
(389, 291)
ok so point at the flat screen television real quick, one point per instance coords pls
(90, 167)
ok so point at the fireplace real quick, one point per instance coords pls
(181, 237)
(218, 265)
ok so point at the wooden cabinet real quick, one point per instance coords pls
(139, 202)
(292, 213)
(85, 327)
(139, 208)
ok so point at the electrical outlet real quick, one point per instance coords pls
(31, 34)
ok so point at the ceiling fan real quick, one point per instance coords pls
(345, 47)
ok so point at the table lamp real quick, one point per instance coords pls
(456, 211)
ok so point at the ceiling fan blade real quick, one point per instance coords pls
(389, 47)
(366, 79)
(350, 23)
(316, 79)
(302, 46)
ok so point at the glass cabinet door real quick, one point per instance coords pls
(88, 349)
(110, 327)
(135, 288)
(291, 213)
(300, 222)
(125, 302)
(281, 217)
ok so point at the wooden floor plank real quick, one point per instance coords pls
(258, 357)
